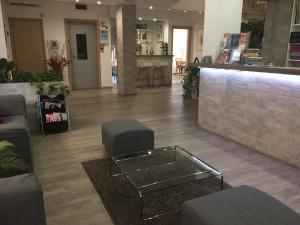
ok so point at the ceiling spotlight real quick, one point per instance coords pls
(169, 9)
(140, 18)
(151, 7)
(77, 0)
(185, 11)
(154, 19)
(99, 3)
(200, 12)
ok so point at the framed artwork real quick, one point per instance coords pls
(200, 39)
(159, 31)
(54, 45)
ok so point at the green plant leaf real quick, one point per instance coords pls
(10, 163)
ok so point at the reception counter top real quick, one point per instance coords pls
(154, 56)
(255, 106)
(263, 69)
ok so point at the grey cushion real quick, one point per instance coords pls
(12, 105)
(126, 136)
(238, 206)
(13, 125)
(21, 201)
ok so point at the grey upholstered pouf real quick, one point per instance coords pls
(126, 136)
(237, 206)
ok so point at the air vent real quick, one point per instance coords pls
(81, 6)
(24, 4)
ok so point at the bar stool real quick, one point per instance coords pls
(157, 75)
(139, 76)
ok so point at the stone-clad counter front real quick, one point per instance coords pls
(256, 106)
(154, 70)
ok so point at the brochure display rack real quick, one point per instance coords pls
(53, 114)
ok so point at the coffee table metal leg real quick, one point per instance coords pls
(141, 207)
(222, 183)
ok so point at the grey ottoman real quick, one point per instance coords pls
(126, 136)
(237, 206)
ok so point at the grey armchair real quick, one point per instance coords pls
(15, 127)
(21, 201)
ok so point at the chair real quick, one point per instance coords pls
(179, 62)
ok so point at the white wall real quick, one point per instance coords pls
(53, 15)
(220, 17)
(3, 50)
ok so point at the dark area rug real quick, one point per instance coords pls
(122, 202)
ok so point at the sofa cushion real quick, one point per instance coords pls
(12, 105)
(13, 125)
(238, 206)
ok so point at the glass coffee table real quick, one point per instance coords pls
(160, 169)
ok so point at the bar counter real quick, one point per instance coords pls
(258, 107)
(154, 70)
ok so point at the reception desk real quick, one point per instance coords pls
(154, 70)
(258, 107)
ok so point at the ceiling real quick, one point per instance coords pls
(192, 5)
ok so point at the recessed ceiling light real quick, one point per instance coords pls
(200, 12)
(151, 7)
(99, 3)
(169, 9)
(154, 19)
(140, 18)
(77, 0)
(185, 11)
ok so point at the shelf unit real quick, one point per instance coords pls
(61, 125)
(294, 27)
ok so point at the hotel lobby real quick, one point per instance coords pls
(130, 112)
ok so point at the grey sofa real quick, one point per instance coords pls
(21, 201)
(21, 197)
(237, 206)
(15, 127)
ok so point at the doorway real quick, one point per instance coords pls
(28, 44)
(180, 50)
(83, 46)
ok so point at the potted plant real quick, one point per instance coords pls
(52, 90)
(10, 162)
(191, 82)
(6, 68)
(57, 60)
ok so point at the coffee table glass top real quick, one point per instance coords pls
(161, 168)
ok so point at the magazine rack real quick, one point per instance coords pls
(53, 114)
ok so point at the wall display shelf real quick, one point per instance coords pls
(293, 48)
(53, 114)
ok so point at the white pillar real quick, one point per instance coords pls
(3, 49)
(221, 16)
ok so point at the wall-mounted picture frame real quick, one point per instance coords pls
(199, 44)
(160, 32)
(54, 45)
(104, 33)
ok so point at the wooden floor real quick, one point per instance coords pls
(70, 198)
